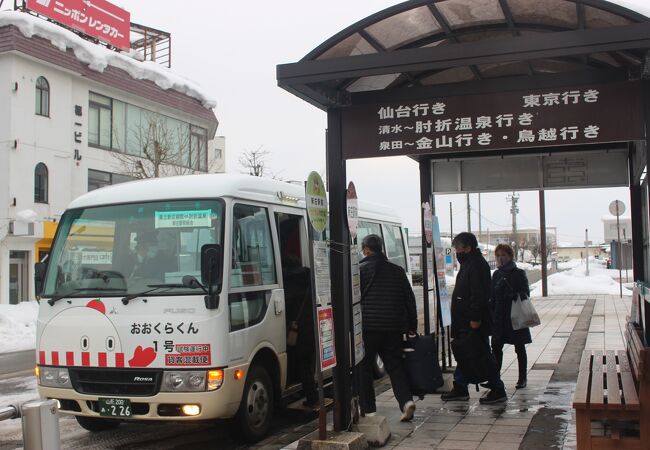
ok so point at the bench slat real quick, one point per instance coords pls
(581, 396)
(630, 394)
(597, 396)
(623, 361)
(613, 394)
(585, 361)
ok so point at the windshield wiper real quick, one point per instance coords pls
(56, 297)
(188, 282)
(154, 287)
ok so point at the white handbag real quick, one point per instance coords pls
(523, 314)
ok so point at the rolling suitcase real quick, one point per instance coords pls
(421, 364)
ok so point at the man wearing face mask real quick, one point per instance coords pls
(470, 313)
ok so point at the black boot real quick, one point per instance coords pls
(494, 396)
(522, 362)
(459, 392)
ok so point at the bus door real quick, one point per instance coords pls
(296, 281)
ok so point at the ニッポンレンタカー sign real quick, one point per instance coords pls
(97, 18)
(534, 118)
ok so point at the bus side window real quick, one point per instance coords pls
(253, 261)
(394, 245)
(364, 228)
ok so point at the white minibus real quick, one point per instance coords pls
(163, 299)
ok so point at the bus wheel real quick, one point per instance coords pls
(94, 424)
(256, 408)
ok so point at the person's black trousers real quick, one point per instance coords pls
(389, 348)
(522, 357)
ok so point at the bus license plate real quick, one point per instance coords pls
(114, 407)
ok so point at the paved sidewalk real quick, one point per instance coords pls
(537, 417)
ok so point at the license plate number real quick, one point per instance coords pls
(114, 407)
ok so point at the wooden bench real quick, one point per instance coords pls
(614, 388)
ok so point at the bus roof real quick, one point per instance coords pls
(264, 190)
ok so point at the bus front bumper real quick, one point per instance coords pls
(216, 404)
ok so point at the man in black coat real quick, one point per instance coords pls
(388, 310)
(470, 313)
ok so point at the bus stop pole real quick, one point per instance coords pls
(339, 271)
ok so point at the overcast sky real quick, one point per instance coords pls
(232, 48)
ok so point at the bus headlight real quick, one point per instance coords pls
(55, 377)
(183, 381)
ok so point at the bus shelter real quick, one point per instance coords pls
(486, 95)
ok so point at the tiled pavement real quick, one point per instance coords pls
(514, 425)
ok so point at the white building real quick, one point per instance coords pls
(70, 122)
(611, 232)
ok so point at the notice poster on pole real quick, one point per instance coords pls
(445, 298)
(355, 275)
(433, 308)
(322, 273)
(326, 338)
(359, 351)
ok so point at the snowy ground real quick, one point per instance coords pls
(573, 281)
(18, 327)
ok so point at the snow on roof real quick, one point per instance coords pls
(98, 57)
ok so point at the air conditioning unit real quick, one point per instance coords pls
(18, 228)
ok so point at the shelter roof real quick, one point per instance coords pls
(424, 43)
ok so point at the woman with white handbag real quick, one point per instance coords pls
(509, 285)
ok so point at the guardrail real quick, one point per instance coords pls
(40, 422)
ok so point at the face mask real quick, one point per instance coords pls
(503, 260)
(462, 257)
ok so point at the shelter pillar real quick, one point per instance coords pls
(543, 244)
(339, 269)
(636, 211)
(425, 196)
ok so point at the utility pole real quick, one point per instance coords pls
(587, 251)
(514, 210)
(480, 229)
(469, 219)
(451, 222)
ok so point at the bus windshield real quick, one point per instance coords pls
(118, 250)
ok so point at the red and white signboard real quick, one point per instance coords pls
(97, 18)
(326, 338)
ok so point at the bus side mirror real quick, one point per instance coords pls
(212, 273)
(39, 278)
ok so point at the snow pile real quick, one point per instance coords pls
(98, 57)
(572, 264)
(27, 216)
(575, 282)
(18, 326)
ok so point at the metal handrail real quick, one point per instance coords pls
(9, 412)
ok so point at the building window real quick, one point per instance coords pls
(115, 125)
(198, 148)
(42, 97)
(100, 121)
(98, 179)
(40, 183)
